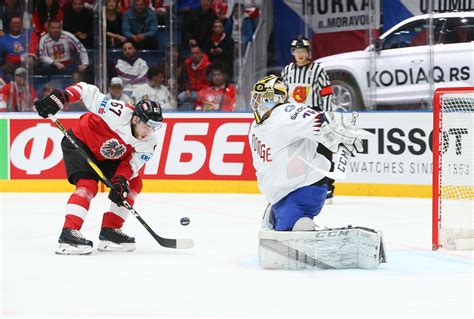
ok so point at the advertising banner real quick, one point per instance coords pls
(202, 149)
(194, 148)
(35, 149)
(424, 6)
(336, 16)
(400, 152)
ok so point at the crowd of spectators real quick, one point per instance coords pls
(51, 38)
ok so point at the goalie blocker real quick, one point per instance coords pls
(337, 248)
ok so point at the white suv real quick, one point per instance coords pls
(398, 67)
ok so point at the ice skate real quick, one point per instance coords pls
(113, 239)
(72, 242)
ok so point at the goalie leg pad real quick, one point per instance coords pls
(338, 248)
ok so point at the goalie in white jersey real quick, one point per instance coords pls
(284, 140)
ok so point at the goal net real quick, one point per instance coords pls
(453, 168)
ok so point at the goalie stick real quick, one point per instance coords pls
(165, 242)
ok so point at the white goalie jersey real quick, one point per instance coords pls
(284, 150)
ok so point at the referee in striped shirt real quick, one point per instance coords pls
(307, 83)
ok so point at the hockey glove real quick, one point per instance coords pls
(51, 104)
(335, 131)
(119, 191)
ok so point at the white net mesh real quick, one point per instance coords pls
(456, 170)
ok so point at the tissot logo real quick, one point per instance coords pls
(415, 141)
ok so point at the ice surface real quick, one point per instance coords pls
(220, 276)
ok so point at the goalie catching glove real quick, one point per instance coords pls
(119, 191)
(336, 131)
(51, 104)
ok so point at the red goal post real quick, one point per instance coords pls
(453, 168)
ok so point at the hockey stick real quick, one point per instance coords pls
(165, 242)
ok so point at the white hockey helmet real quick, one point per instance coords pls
(266, 94)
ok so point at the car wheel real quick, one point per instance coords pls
(345, 97)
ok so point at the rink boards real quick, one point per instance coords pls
(209, 152)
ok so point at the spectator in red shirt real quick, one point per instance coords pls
(220, 96)
(17, 95)
(46, 11)
(196, 69)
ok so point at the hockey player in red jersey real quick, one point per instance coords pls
(121, 138)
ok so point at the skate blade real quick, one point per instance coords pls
(328, 201)
(66, 249)
(105, 245)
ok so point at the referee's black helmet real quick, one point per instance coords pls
(301, 43)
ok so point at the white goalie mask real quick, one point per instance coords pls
(266, 94)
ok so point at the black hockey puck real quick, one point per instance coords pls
(185, 221)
